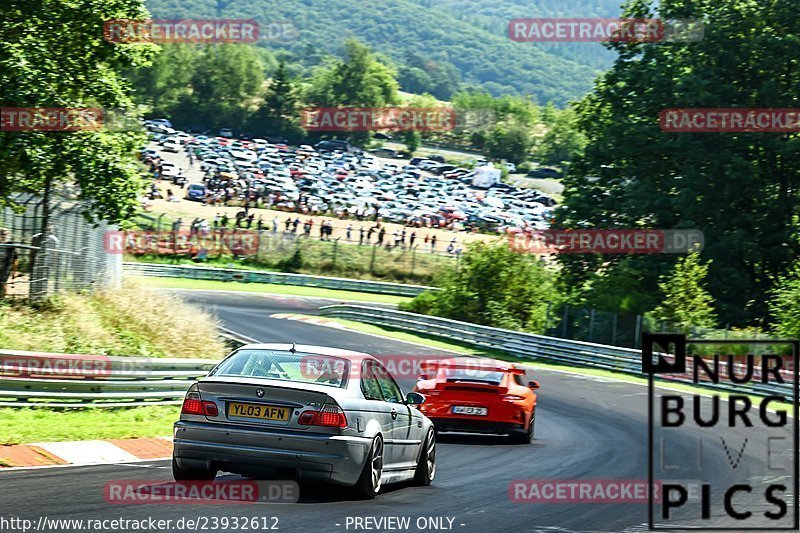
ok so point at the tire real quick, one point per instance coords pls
(426, 467)
(369, 483)
(525, 436)
(191, 474)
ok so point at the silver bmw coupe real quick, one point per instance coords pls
(307, 412)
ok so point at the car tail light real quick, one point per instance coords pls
(328, 416)
(210, 409)
(512, 398)
(192, 404)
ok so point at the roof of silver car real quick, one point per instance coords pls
(306, 349)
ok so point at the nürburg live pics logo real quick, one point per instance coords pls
(723, 433)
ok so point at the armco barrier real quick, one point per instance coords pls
(527, 345)
(35, 379)
(279, 278)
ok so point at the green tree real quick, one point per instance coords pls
(226, 83)
(165, 85)
(412, 140)
(741, 190)
(495, 286)
(509, 142)
(279, 114)
(563, 142)
(358, 80)
(48, 58)
(686, 303)
(281, 97)
(785, 304)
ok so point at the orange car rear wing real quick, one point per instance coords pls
(444, 363)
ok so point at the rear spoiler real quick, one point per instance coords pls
(478, 366)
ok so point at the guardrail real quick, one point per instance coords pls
(30, 379)
(528, 345)
(279, 278)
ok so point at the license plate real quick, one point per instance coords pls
(263, 412)
(467, 410)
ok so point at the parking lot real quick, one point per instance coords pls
(350, 192)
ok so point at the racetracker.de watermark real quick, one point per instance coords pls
(378, 119)
(69, 119)
(51, 119)
(730, 120)
(630, 30)
(138, 492)
(611, 241)
(196, 31)
(581, 491)
(25, 365)
(399, 366)
(183, 242)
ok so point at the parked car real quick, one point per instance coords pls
(172, 145)
(332, 145)
(226, 132)
(441, 169)
(544, 172)
(385, 152)
(195, 192)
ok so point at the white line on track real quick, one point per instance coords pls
(126, 463)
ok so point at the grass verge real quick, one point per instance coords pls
(294, 290)
(26, 425)
(134, 320)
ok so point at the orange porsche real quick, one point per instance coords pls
(478, 396)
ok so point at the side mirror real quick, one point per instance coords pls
(533, 385)
(415, 398)
(422, 377)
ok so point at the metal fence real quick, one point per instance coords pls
(32, 379)
(592, 325)
(29, 379)
(527, 345)
(349, 254)
(68, 255)
(280, 278)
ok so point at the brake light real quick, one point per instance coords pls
(512, 398)
(210, 409)
(328, 416)
(192, 404)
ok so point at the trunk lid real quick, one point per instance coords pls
(262, 402)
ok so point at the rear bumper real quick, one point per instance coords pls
(473, 425)
(333, 458)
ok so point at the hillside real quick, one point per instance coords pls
(459, 35)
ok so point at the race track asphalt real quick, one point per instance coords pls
(587, 428)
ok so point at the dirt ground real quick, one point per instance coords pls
(188, 211)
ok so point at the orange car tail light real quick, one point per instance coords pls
(512, 398)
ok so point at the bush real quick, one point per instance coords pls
(785, 304)
(494, 286)
(134, 320)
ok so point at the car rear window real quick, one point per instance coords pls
(286, 366)
(475, 375)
